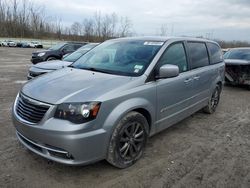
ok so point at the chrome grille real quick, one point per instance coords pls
(30, 110)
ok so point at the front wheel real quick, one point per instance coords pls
(128, 140)
(51, 58)
(214, 101)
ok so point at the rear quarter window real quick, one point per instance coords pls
(215, 53)
(198, 54)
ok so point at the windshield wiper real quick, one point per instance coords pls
(96, 70)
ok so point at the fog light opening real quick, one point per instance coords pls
(69, 156)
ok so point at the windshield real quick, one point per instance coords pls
(243, 54)
(126, 57)
(57, 46)
(79, 53)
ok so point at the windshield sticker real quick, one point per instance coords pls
(138, 67)
(136, 70)
(154, 43)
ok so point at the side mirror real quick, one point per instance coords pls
(168, 71)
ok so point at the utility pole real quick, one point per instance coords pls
(172, 29)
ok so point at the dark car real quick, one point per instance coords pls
(48, 66)
(23, 44)
(55, 52)
(237, 62)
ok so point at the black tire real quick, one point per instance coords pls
(51, 58)
(213, 101)
(128, 140)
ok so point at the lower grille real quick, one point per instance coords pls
(30, 110)
(52, 151)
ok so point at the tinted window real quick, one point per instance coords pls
(215, 52)
(69, 48)
(175, 55)
(243, 54)
(80, 52)
(198, 54)
(57, 46)
(76, 46)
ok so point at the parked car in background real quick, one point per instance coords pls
(12, 44)
(19, 44)
(48, 66)
(108, 102)
(225, 50)
(4, 43)
(237, 62)
(35, 44)
(56, 52)
(25, 45)
(8, 43)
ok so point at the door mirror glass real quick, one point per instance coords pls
(168, 71)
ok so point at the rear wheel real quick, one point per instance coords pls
(128, 140)
(214, 101)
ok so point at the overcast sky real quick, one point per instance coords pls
(221, 19)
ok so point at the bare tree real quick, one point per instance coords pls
(23, 18)
(109, 24)
(163, 30)
(98, 24)
(125, 27)
(88, 28)
(76, 28)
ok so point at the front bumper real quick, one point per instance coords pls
(36, 59)
(60, 141)
(238, 74)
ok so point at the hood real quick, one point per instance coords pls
(52, 65)
(72, 85)
(236, 62)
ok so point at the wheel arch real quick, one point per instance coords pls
(219, 83)
(146, 114)
(52, 56)
(140, 105)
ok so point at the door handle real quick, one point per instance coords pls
(196, 77)
(188, 80)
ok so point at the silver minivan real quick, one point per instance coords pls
(107, 103)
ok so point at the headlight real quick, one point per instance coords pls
(41, 54)
(77, 112)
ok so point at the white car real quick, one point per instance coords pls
(4, 43)
(12, 44)
(35, 44)
(8, 43)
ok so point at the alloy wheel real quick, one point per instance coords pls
(131, 141)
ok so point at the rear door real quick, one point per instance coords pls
(174, 95)
(202, 72)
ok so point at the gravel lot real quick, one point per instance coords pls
(201, 151)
